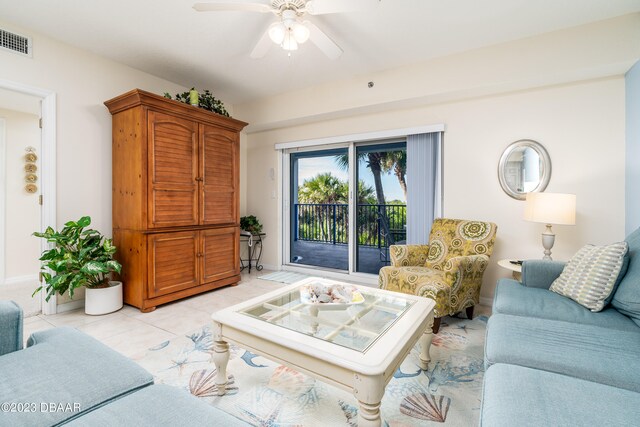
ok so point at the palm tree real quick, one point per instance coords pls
(374, 162)
(379, 162)
(323, 188)
(397, 161)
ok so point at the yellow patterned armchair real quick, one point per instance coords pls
(448, 270)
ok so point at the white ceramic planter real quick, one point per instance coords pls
(103, 300)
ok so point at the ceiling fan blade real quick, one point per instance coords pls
(262, 47)
(324, 43)
(321, 7)
(228, 6)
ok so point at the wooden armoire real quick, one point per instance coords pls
(175, 198)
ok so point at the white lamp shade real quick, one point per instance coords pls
(300, 32)
(277, 31)
(551, 208)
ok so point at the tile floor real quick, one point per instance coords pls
(131, 332)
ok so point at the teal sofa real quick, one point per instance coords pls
(66, 377)
(552, 362)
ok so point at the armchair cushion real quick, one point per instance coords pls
(454, 237)
(10, 327)
(408, 255)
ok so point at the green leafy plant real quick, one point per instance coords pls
(206, 100)
(80, 257)
(251, 224)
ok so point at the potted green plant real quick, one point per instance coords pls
(81, 257)
(251, 224)
(204, 100)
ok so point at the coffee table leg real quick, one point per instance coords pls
(313, 311)
(220, 358)
(425, 345)
(369, 392)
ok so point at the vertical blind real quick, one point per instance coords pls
(424, 185)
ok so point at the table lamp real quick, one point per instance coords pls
(550, 208)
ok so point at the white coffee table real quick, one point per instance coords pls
(358, 348)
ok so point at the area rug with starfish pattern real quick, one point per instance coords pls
(264, 393)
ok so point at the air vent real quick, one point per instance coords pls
(15, 43)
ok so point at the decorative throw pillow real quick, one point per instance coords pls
(590, 275)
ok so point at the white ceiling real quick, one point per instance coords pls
(169, 39)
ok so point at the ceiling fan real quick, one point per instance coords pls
(292, 29)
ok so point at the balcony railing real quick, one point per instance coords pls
(376, 225)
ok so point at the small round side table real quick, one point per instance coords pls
(516, 269)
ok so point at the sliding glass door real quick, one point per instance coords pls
(319, 209)
(322, 205)
(381, 205)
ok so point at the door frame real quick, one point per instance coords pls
(47, 164)
(285, 220)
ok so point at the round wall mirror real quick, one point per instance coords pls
(525, 167)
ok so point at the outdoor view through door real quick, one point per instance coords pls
(320, 209)
(381, 209)
(320, 214)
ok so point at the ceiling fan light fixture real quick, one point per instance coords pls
(277, 32)
(289, 42)
(300, 32)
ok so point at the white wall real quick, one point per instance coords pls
(632, 169)
(22, 212)
(581, 125)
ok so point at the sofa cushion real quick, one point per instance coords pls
(63, 366)
(627, 298)
(157, 405)
(538, 273)
(590, 275)
(592, 353)
(517, 396)
(10, 327)
(513, 298)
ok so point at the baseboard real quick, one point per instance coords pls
(486, 301)
(20, 279)
(68, 306)
(270, 267)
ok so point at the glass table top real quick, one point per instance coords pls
(354, 326)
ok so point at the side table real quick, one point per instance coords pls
(254, 250)
(516, 269)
